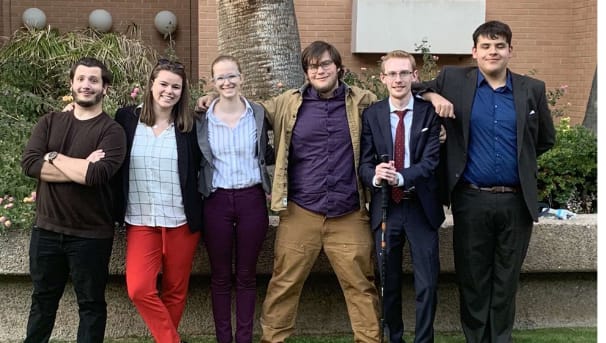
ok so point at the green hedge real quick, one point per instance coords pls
(568, 172)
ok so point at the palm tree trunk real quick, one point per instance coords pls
(263, 35)
(591, 113)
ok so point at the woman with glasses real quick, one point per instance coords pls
(157, 198)
(234, 181)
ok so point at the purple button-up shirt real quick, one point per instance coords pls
(321, 168)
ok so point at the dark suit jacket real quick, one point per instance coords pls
(424, 151)
(188, 160)
(535, 131)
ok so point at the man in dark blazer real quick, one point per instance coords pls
(414, 212)
(498, 127)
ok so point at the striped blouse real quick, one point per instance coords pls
(234, 150)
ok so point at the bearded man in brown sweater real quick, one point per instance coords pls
(73, 155)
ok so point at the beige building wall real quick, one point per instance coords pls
(557, 39)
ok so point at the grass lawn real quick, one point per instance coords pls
(560, 335)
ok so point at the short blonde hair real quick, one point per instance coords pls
(398, 54)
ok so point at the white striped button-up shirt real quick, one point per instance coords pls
(154, 194)
(234, 150)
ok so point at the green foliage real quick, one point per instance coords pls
(196, 91)
(14, 101)
(18, 113)
(429, 68)
(367, 79)
(568, 172)
(16, 213)
(38, 61)
(15, 130)
(553, 98)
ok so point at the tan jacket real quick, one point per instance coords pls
(282, 110)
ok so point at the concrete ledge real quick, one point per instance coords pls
(556, 246)
(543, 301)
(557, 289)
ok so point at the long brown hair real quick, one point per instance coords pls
(181, 114)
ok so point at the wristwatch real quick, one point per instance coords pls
(49, 157)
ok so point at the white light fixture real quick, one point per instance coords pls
(100, 20)
(166, 22)
(34, 18)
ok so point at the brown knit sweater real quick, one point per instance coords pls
(69, 207)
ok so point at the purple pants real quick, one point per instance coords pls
(236, 221)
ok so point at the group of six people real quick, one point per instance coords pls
(173, 177)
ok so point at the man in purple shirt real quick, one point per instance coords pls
(319, 196)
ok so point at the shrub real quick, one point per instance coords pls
(38, 61)
(15, 213)
(568, 172)
(15, 130)
(429, 68)
(367, 79)
(19, 111)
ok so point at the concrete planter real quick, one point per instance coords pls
(557, 289)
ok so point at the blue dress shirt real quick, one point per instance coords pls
(492, 153)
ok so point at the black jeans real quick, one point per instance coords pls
(52, 258)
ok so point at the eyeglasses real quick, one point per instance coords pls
(324, 65)
(227, 77)
(402, 75)
(170, 63)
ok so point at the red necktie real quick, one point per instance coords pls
(397, 193)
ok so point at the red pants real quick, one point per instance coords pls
(149, 251)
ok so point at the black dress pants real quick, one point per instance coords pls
(491, 236)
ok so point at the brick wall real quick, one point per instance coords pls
(207, 44)
(67, 15)
(555, 38)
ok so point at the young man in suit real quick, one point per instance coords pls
(407, 130)
(502, 125)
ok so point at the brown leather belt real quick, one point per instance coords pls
(493, 189)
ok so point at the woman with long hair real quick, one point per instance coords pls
(156, 195)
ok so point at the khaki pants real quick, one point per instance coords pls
(348, 243)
